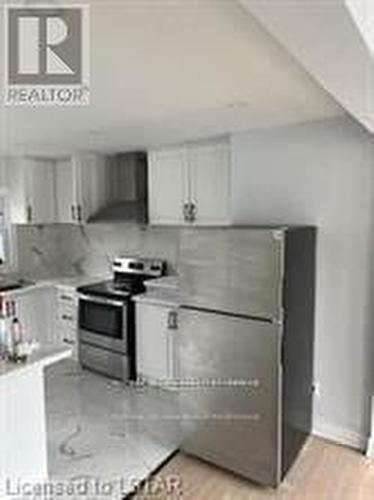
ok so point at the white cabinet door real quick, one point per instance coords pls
(41, 207)
(168, 186)
(31, 188)
(80, 187)
(66, 199)
(155, 337)
(17, 189)
(190, 185)
(89, 184)
(210, 183)
(152, 342)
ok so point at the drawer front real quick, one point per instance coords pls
(67, 317)
(66, 294)
(66, 333)
(66, 297)
(66, 308)
(103, 361)
(230, 376)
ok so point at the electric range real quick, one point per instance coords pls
(107, 317)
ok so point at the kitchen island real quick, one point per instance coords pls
(23, 448)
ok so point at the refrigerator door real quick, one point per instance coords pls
(236, 270)
(230, 376)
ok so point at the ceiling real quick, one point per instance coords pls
(333, 40)
(164, 71)
(363, 14)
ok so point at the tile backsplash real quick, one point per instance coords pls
(51, 251)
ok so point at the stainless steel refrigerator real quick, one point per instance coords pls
(246, 346)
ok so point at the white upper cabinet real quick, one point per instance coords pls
(65, 193)
(90, 184)
(168, 186)
(190, 185)
(31, 187)
(41, 197)
(49, 191)
(80, 187)
(210, 184)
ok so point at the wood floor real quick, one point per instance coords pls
(323, 471)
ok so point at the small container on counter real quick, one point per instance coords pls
(3, 331)
(13, 345)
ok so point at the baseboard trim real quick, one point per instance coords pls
(340, 435)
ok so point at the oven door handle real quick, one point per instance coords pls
(101, 300)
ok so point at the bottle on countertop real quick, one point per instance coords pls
(8, 312)
(3, 331)
(18, 353)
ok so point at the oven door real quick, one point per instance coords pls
(102, 323)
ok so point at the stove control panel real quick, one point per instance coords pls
(147, 267)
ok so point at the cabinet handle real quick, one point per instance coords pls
(66, 317)
(73, 212)
(186, 212)
(172, 320)
(193, 211)
(79, 210)
(189, 212)
(29, 213)
(69, 342)
(66, 297)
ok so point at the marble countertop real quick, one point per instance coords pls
(45, 356)
(162, 291)
(162, 297)
(78, 281)
(70, 282)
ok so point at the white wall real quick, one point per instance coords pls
(322, 173)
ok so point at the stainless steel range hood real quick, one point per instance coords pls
(126, 189)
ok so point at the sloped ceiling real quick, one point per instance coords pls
(363, 14)
(333, 40)
(171, 70)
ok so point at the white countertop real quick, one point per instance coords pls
(45, 356)
(162, 291)
(78, 281)
(70, 282)
(167, 282)
(162, 297)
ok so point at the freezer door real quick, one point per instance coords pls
(236, 270)
(230, 378)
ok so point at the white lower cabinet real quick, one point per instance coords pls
(156, 343)
(66, 317)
